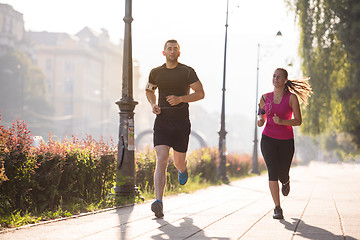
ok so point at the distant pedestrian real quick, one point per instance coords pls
(172, 124)
(280, 110)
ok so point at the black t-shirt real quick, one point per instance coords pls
(174, 81)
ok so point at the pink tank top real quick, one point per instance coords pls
(283, 111)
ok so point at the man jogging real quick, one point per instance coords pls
(172, 124)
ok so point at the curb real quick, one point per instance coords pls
(62, 219)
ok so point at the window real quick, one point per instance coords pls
(68, 108)
(49, 83)
(69, 67)
(68, 85)
(48, 65)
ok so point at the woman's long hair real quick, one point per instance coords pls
(300, 86)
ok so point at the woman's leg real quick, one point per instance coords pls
(270, 153)
(274, 189)
(285, 159)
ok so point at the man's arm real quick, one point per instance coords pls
(197, 95)
(151, 97)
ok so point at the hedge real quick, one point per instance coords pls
(58, 173)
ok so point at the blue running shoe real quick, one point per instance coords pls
(183, 177)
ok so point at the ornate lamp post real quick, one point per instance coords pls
(255, 168)
(222, 132)
(125, 175)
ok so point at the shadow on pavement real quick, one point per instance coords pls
(170, 231)
(311, 232)
(124, 218)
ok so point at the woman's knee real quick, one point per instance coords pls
(273, 177)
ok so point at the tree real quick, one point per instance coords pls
(23, 92)
(329, 47)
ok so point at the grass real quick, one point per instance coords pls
(194, 183)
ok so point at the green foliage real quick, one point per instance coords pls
(4, 134)
(56, 173)
(17, 219)
(19, 165)
(202, 166)
(340, 145)
(329, 47)
(60, 178)
(203, 163)
(56, 214)
(145, 168)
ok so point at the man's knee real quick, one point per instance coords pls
(162, 162)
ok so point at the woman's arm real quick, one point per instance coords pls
(261, 114)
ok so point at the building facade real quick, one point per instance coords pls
(83, 75)
(11, 28)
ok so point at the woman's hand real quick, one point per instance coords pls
(260, 122)
(276, 119)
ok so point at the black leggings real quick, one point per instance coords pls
(278, 155)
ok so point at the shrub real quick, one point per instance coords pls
(61, 174)
(49, 175)
(203, 162)
(72, 171)
(19, 164)
(4, 134)
(145, 168)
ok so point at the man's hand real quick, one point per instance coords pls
(156, 109)
(173, 100)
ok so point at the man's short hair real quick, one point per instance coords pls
(171, 41)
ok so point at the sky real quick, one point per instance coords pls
(199, 27)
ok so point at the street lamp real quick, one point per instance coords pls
(222, 132)
(255, 168)
(125, 173)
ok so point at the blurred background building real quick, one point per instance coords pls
(81, 76)
(67, 84)
(11, 28)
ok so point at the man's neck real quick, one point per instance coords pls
(171, 64)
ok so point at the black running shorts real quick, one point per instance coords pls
(172, 133)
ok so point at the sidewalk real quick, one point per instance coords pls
(323, 204)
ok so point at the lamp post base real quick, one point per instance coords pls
(128, 191)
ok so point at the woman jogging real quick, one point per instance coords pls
(281, 111)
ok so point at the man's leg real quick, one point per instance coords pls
(180, 164)
(180, 161)
(162, 153)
